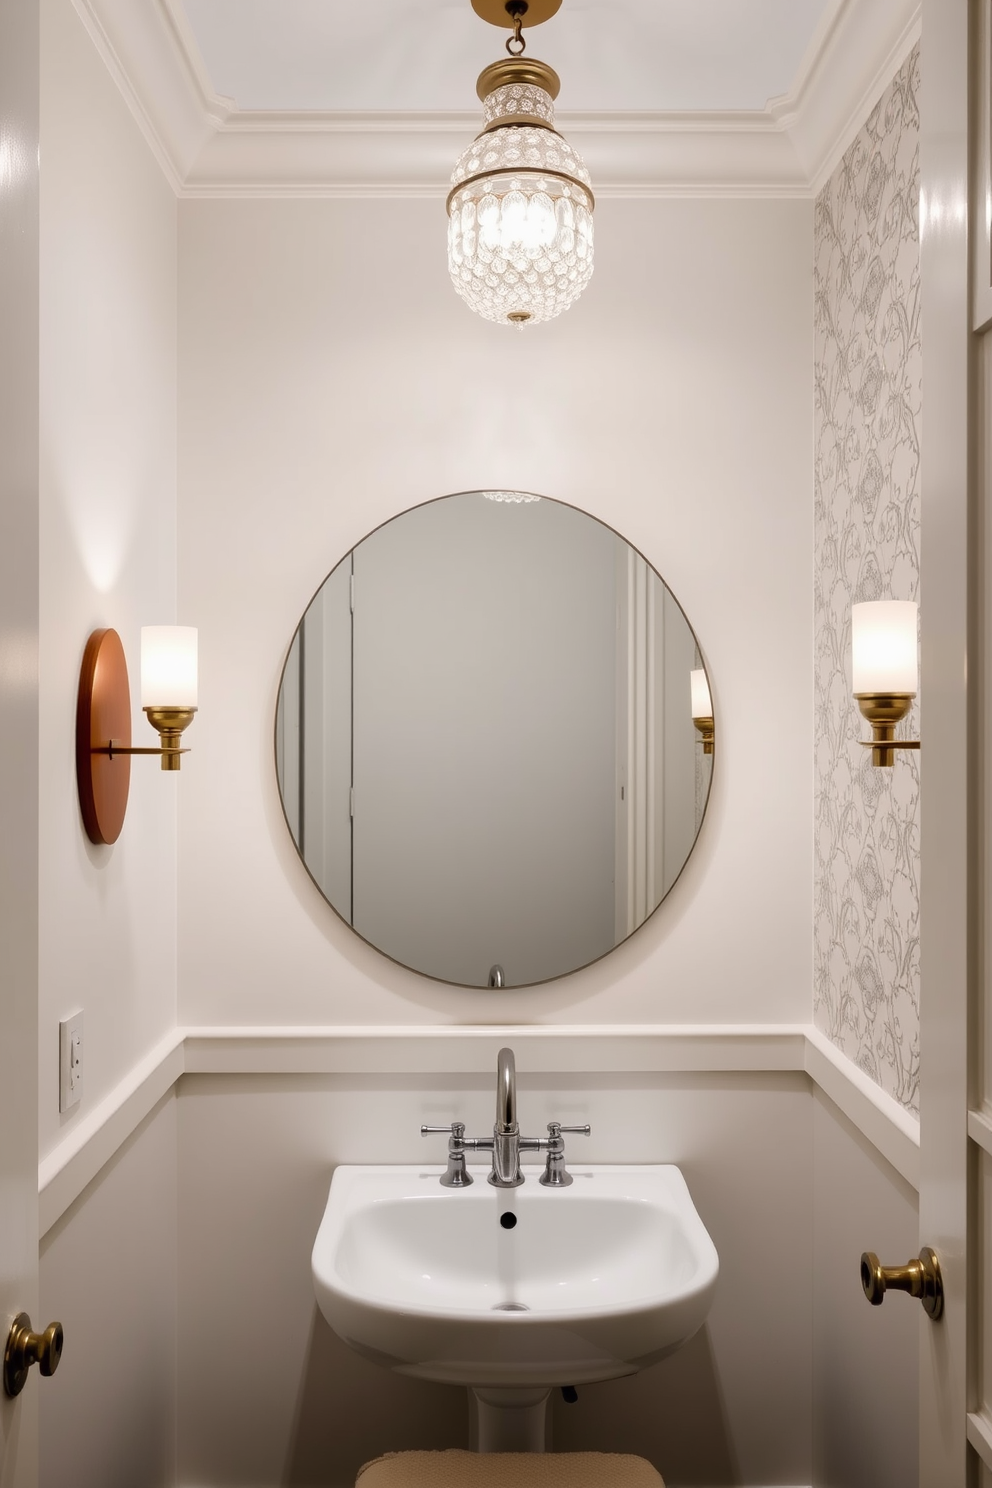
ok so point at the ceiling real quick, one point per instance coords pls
(377, 97)
(426, 54)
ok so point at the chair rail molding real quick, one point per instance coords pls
(620, 1049)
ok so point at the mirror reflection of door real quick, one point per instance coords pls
(657, 754)
(484, 740)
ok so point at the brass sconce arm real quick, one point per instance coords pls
(170, 723)
(705, 729)
(883, 711)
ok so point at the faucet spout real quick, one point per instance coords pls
(506, 1091)
(506, 1132)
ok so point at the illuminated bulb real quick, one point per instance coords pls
(168, 666)
(702, 706)
(884, 648)
(520, 235)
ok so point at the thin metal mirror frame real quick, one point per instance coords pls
(427, 976)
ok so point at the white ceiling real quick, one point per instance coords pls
(377, 97)
(405, 55)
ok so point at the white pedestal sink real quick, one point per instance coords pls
(513, 1291)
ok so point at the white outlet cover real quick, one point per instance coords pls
(70, 1061)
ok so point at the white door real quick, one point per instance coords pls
(955, 1442)
(19, 79)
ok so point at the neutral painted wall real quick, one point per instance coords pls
(108, 1272)
(794, 1379)
(326, 384)
(674, 402)
(108, 555)
(294, 1405)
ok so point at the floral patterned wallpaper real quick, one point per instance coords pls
(868, 402)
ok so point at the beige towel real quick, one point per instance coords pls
(457, 1469)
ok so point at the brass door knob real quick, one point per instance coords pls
(919, 1278)
(25, 1348)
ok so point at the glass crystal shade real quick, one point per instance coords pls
(520, 238)
(512, 497)
(168, 666)
(884, 648)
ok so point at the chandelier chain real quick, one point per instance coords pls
(516, 44)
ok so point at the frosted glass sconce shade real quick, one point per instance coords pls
(699, 688)
(883, 646)
(702, 707)
(103, 717)
(885, 671)
(168, 666)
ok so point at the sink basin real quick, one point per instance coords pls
(585, 1283)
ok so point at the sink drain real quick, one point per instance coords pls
(510, 1307)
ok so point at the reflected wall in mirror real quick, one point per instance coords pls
(484, 739)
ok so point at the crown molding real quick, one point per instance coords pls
(344, 155)
(852, 69)
(207, 147)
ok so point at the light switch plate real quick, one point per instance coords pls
(70, 1061)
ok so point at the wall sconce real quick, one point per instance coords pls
(103, 717)
(702, 707)
(885, 671)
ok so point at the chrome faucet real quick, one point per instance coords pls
(507, 1140)
(506, 1143)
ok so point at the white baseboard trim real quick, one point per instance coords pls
(589, 1049)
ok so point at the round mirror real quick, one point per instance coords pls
(485, 739)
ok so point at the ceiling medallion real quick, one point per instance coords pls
(520, 206)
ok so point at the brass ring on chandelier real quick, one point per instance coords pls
(520, 170)
(527, 71)
(497, 12)
(518, 121)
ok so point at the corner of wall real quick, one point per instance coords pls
(868, 404)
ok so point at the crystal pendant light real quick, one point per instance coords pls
(520, 236)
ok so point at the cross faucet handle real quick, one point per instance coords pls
(456, 1175)
(555, 1174)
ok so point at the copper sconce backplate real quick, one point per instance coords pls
(103, 714)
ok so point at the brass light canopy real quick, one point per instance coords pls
(170, 724)
(103, 724)
(706, 732)
(520, 232)
(883, 711)
(701, 704)
(503, 13)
